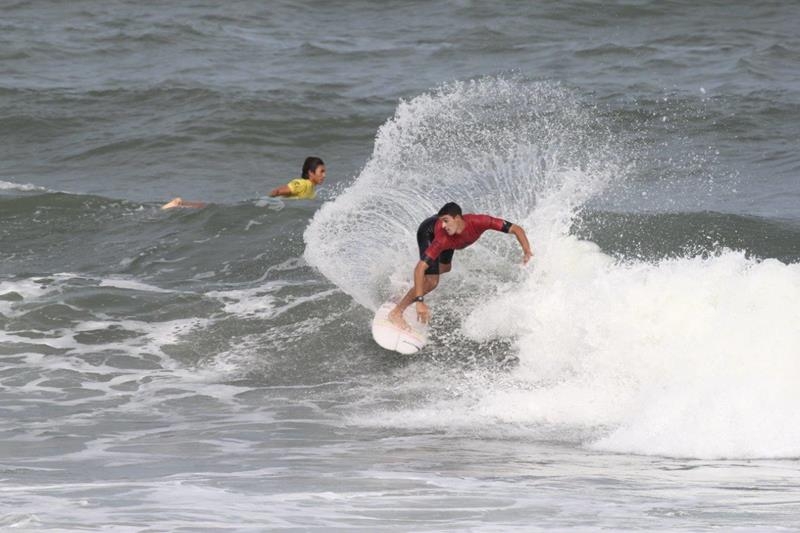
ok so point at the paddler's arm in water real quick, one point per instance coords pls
(281, 191)
(423, 313)
(519, 233)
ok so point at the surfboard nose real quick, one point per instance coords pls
(391, 337)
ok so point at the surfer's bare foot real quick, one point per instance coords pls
(175, 202)
(396, 318)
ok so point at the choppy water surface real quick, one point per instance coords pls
(212, 369)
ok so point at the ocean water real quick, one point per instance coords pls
(212, 369)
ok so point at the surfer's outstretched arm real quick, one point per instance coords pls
(522, 238)
(281, 191)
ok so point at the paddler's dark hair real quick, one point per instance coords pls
(450, 208)
(310, 165)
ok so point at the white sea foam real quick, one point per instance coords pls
(686, 357)
(689, 357)
(12, 292)
(21, 187)
(131, 284)
(261, 301)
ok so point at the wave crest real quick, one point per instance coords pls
(530, 152)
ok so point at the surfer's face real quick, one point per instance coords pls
(317, 175)
(449, 224)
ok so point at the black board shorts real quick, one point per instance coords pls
(424, 239)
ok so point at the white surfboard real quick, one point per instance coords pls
(397, 339)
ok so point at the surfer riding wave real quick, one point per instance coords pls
(438, 237)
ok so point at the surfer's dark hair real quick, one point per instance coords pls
(310, 165)
(450, 208)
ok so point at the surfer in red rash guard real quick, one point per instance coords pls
(438, 237)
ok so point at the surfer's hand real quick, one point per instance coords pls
(423, 313)
(527, 257)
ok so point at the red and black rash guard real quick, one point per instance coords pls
(474, 226)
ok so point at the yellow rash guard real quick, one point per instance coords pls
(302, 189)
